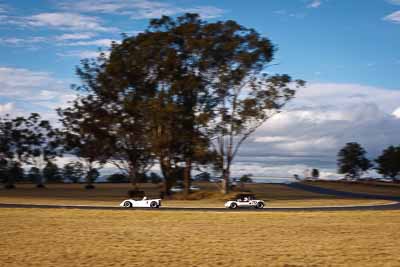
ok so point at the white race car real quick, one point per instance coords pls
(144, 203)
(245, 201)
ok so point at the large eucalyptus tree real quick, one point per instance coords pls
(180, 86)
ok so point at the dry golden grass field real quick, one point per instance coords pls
(112, 194)
(54, 237)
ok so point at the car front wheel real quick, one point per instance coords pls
(233, 205)
(127, 204)
(260, 205)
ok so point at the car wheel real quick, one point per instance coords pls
(233, 205)
(153, 204)
(127, 204)
(260, 205)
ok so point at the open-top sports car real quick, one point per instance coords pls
(245, 201)
(143, 203)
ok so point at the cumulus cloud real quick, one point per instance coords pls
(6, 108)
(395, 2)
(66, 21)
(75, 36)
(28, 41)
(82, 54)
(396, 113)
(314, 4)
(319, 122)
(98, 42)
(394, 17)
(139, 9)
(32, 91)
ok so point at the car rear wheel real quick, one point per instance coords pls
(260, 205)
(127, 204)
(233, 205)
(153, 204)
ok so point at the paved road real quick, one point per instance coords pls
(310, 188)
(394, 206)
(326, 191)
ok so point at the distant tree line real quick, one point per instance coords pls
(352, 162)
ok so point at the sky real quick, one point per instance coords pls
(346, 50)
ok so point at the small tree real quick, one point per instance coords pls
(315, 174)
(73, 171)
(51, 173)
(352, 161)
(246, 178)
(389, 162)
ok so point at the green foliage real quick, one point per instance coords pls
(204, 176)
(10, 173)
(167, 92)
(15, 172)
(3, 171)
(34, 175)
(51, 173)
(28, 140)
(315, 173)
(73, 171)
(155, 178)
(117, 178)
(389, 162)
(246, 178)
(352, 160)
(92, 175)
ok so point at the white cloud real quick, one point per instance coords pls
(67, 21)
(395, 2)
(75, 36)
(396, 113)
(4, 8)
(98, 42)
(13, 41)
(394, 17)
(83, 54)
(139, 9)
(271, 139)
(6, 108)
(314, 4)
(319, 121)
(32, 91)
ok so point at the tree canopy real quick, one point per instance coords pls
(352, 160)
(389, 162)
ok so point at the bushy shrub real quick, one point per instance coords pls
(89, 186)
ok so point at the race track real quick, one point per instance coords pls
(395, 205)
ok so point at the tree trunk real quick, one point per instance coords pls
(225, 181)
(186, 177)
(39, 180)
(132, 178)
(166, 172)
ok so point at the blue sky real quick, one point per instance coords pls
(330, 41)
(347, 51)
